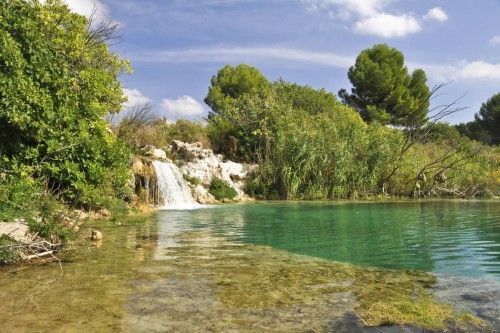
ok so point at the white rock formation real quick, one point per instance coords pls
(204, 165)
(154, 152)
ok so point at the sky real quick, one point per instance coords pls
(176, 46)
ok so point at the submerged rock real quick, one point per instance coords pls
(95, 235)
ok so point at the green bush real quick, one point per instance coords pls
(221, 189)
(6, 253)
(193, 180)
(28, 199)
(58, 79)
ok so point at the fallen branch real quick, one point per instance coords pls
(38, 255)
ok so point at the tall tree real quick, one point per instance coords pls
(486, 124)
(383, 90)
(231, 83)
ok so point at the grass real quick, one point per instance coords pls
(6, 254)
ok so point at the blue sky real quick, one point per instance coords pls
(175, 46)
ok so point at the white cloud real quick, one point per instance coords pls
(360, 7)
(135, 97)
(480, 70)
(184, 107)
(89, 8)
(241, 54)
(436, 14)
(371, 17)
(462, 70)
(495, 39)
(387, 25)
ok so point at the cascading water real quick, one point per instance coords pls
(173, 190)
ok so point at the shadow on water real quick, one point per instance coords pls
(224, 269)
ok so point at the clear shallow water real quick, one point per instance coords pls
(210, 269)
(453, 237)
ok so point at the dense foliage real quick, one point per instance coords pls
(383, 90)
(221, 190)
(310, 146)
(486, 124)
(57, 82)
(25, 198)
(231, 83)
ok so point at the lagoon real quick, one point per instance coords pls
(272, 266)
(441, 236)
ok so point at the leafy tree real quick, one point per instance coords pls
(486, 124)
(383, 90)
(230, 83)
(58, 79)
(474, 131)
(489, 117)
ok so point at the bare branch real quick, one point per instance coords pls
(101, 31)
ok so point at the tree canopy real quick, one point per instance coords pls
(58, 79)
(306, 98)
(230, 83)
(383, 90)
(486, 124)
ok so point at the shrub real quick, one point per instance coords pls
(28, 199)
(193, 180)
(6, 253)
(221, 189)
(138, 131)
(59, 79)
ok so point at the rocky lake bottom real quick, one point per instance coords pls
(230, 269)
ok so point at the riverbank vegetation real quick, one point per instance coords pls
(382, 140)
(58, 79)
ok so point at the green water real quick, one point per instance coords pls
(454, 237)
(269, 267)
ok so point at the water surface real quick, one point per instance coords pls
(266, 267)
(453, 237)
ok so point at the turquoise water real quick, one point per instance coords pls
(204, 270)
(454, 237)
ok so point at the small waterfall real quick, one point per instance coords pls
(172, 188)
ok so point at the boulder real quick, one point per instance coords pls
(137, 167)
(154, 152)
(95, 235)
(201, 195)
(104, 213)
(17, 230)
(189, 151)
